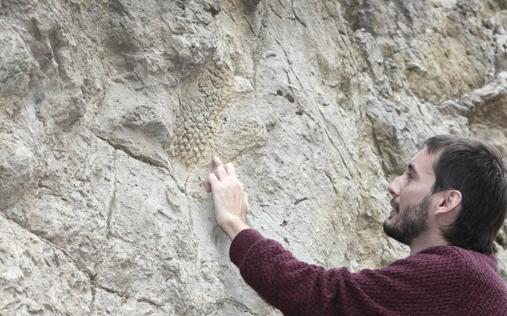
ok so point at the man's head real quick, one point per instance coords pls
(454, 186)
(411, 199)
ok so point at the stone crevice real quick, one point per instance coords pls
(91, 277)
(274, 11)
(376, 144)
(333, 183)
(112, 200)
(337, 148)
(290, 65)
(50, 243)
(126, 296)
(76, 264)
(296, 17)
(142, 158)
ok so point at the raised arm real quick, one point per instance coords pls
(406, 287)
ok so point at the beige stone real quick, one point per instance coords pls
(110, 112)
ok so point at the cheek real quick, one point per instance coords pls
(412, 195)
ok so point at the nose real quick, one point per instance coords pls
(394, 187)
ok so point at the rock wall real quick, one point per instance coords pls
(110, 111)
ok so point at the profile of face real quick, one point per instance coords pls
(411, 200)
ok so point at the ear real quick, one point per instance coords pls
(448, 201)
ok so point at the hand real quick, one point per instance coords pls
(229, 198)
(245, 207)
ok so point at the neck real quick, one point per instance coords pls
(426, 240)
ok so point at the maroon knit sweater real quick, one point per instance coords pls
(442, 280)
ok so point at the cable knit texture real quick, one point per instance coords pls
(442, 280)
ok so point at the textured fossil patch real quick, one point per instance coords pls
(204, 96)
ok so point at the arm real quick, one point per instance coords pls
(428, 283)
(268, 268)
(294, 287)
(412, 286)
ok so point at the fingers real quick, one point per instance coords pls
(213, 180)
(221, 172)
(229, 167)
(217, 161)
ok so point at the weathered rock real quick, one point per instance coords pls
(17, 169)
(111, 110)
(37, 277)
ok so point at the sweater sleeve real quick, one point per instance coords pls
(418, 285)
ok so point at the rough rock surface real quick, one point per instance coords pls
(111, 109)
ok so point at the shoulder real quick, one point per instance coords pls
(451, 256)
(479, 274)
(452, 260)
(481, 270)
(408, 285)
(484, 284)
(439, 259)
(475, 264)
(435, 268)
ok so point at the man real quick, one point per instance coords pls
(447, 207)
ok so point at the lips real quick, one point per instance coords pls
(395, 208)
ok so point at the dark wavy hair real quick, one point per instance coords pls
(476, 169)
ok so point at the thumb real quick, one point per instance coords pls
(207, 185)
(245, 207)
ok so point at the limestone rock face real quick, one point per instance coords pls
(110, 111)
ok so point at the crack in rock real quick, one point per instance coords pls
(126, 296)
(139, 157)
(51, 244)
(111, 201)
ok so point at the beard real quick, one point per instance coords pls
(410, 223)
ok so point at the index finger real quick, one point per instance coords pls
(217, 161)
(229, 167)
